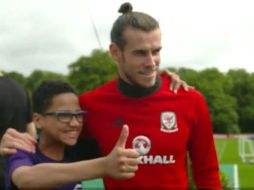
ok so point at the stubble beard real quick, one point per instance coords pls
(143, 83)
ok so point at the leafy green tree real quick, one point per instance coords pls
(222, 106)
(215, 87)
(38, 76)
(89, 72)
(18, 77)
(243, 90)
(189, 75)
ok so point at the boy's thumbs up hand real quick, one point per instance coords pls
(123, 137)
(122, 163)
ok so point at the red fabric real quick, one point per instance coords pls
(108, 110)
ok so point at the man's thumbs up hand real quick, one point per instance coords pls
(122, 163)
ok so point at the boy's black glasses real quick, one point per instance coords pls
(66, 117)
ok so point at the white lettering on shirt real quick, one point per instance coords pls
(157, 159)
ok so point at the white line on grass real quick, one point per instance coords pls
(222, 150)
(236, 177)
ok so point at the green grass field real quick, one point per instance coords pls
(227, 151)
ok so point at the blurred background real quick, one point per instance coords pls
(210, 44)
(198, 34)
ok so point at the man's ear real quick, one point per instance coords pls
(114, 52)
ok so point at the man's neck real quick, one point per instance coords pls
(137, 91)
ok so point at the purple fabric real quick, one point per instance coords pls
(22, 158)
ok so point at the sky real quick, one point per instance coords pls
(51, 34)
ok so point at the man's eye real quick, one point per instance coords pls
(157, 51)
(140, 53)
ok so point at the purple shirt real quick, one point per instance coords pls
(22, 158)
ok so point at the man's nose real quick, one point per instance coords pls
(151, 60)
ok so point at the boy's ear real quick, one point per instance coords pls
(37, 119)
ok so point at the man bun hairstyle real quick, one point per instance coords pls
(125, 8)
(133, 19)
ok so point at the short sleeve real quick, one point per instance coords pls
(15, 161)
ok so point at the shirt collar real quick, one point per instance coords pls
(137, 91)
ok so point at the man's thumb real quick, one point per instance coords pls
(123, 136)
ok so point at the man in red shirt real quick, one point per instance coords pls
(164, 127)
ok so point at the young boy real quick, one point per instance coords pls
(59, 119)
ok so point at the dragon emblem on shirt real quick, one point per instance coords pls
(168, 122)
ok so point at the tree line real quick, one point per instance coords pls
(229, 96)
